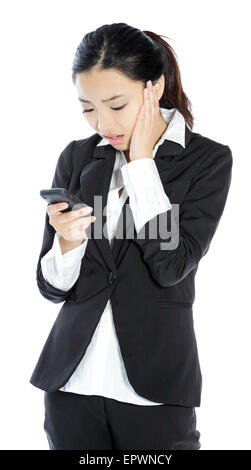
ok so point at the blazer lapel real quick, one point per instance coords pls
(120, 245)
(94, 183)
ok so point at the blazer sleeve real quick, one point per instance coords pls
(199, 215)
(61, 179)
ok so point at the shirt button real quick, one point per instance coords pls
(111, 277)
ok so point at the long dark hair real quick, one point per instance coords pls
(140, 55)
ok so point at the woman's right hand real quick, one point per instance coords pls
(70, 225)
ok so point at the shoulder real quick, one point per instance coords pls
(201, 141)
(90, 141)
(78, 145)
(77, 149)
(208, 150)
(83, 148)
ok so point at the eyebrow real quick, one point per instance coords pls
(103, 101)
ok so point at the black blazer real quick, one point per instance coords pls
(151, 290)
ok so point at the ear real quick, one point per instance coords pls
(161, 82)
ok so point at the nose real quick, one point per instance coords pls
(104, 125)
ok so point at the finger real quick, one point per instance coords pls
(147, 105)
(72, 215)
(83, 222)
(66, 217)
(156, 99)
(152, 99)
(69, 227)
(151, 112)
(150, 88)
(79, 212)
(142, 113)
(80, 228)
(55, 208)
(155, 88)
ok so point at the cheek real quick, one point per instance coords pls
(89, 117)
(130, 116)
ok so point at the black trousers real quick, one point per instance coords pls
(92, 422)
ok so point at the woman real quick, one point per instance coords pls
(120, 367)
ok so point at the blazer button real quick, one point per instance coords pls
(111, 277)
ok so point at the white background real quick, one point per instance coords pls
(40, 115)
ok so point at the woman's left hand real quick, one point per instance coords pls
(145, 129)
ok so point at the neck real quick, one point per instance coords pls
(163, 125)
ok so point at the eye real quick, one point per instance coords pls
(115, 109)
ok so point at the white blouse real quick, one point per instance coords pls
(101, 371)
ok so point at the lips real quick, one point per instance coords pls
(115, 141)
(112, 136)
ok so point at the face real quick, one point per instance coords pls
(105, 115)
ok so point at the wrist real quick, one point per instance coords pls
(67, 245)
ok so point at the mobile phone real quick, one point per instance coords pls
(54, 195)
